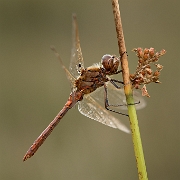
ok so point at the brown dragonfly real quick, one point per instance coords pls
(87, 91)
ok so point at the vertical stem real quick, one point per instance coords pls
(129, 96)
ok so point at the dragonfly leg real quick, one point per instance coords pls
(135, 103)
(124, 53)
(113, 81)
(107, 103)
(117, 72)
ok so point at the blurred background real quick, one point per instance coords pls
(34, 88)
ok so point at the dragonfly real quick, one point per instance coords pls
(88, 85)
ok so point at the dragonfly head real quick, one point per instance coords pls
(110, 63)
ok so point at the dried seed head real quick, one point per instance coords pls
(146, 56)
(132, 76)
(151, 52)
(149, 71)
(144, 73)
(144, 91)
(155, 79)
(140, 52)
(156, 73)
(159, 66)
(141, 61)
(146, 51)
(162, 52)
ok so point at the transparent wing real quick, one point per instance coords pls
(92, 106)
(117, 97)
(92, 109)
(77, 63)
(138, 98)
(68, 74)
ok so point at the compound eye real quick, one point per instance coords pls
(107, 61)
(106, 57)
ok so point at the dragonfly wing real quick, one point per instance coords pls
(117, 97)
(77, 63)
(92, 109)
(68, 74)
(138, 98)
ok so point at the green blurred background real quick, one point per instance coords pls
(34, 88)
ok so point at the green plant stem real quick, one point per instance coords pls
(129, 95)
(136, 137)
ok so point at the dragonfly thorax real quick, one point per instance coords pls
(110, 63)
(90, 79)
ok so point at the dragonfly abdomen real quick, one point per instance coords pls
(72, 100)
